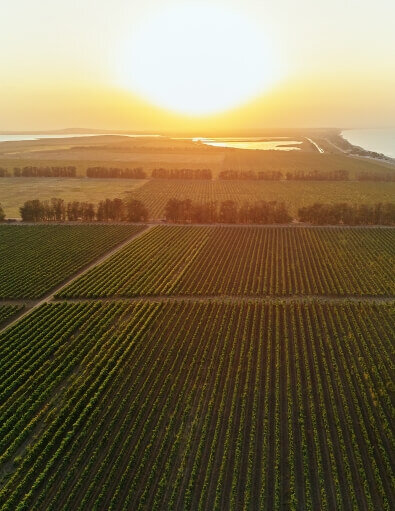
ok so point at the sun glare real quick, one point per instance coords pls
(197, 59)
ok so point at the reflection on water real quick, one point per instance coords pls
(33, 136)
(270, 144)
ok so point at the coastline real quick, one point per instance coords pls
(342, 144)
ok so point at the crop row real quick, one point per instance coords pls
(295, 194)
(6, 311)
(258, 261)
(197, 405)
(36, 258)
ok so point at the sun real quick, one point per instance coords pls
(197, 59)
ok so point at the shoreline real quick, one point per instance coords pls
(355, 150)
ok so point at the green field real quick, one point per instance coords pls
(7, 311)
(197, 368)
(249, 261)
(35, 259)
(197, 406)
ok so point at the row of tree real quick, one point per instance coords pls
(186, 211)
(162, 173)
(108, 210)
(251, 175)
(228, 212)
(115, 172)
(317, 175)
(376, 176)
(30, 171)
(348, 214)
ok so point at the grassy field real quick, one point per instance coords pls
(155, 193)
(35, 259)
(86, 152)
(15, 191)
(167, 152)
(294, 161)
(197, 406)
(150, 153)
(256, 261)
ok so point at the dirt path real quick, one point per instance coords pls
(30, 305)
(319, 149)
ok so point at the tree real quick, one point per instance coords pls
(136, 211)
(32, 211)
(228, 212)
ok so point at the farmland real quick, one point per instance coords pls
(171, 153)
(155, 193)
(196, 367)
(7, 311)
(15, 191)
(35, 259)
(210, 405)
(246, 261)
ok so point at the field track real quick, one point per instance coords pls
(33, 304)
(199, 400)
(55, 293)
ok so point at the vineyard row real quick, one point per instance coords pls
(197, 406)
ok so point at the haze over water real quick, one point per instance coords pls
(379, 140)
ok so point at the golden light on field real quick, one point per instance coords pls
(197, 59)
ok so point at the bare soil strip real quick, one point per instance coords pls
(30, 305)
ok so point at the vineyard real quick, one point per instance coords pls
(155, 193)
(294, 161)
(246, 261)
(210, 406)
(7, 311)
(35, 259)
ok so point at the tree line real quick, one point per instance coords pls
(228, 212)
(376, 176)
(115, 172)
(108, 210)
(187, 173)
(30, 171)
(272, 175)
(162, 173)
(348, 214)
(317, 175)
(187, 211)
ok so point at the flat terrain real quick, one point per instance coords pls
(34, 259)
(302, 161)
(250, 369)
(197, 405)
(295, 194)
(177, 153)
(14, 191)
(155, 193)
(245, 260)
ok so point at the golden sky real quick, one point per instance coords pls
(184, 65)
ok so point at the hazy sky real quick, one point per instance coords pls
(160, 65)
